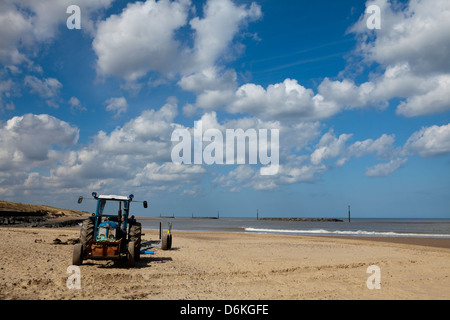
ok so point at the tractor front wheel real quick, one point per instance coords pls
(77, 258)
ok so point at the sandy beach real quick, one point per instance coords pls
(231, 266)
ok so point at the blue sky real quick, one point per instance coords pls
(363, 114)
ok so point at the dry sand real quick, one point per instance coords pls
(231, 266)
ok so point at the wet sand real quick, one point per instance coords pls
(228, 266)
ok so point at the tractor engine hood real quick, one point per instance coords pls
(107, 231)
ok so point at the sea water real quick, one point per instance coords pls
(422, 228)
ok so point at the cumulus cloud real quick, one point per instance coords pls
(136, 153)
(415, 32)
(24, 27)
(332, 147)
(286, 100)
(331, 150)
(168, 175)
(236, 179)
(435, 100)
(429, 142)
(29, 140)
(213, 87)
(413, 47)
(215, 31)
(48, 14)
(15, 30)
(23, 24)
(141, 39)
(295, 169)
(329, 147)
(411, 51)
(147, 135)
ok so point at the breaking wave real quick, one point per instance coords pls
(347, 233)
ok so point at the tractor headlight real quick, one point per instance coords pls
(102, 233)
(112, 234)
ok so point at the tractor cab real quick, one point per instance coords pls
(112, 217)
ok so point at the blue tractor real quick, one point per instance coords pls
(110, 233)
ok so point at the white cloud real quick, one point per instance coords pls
(213, 87)
(397, 81)
(296, 169)
(141, 39)
(436, 100)
(411, 50)
(429, 142)
(385, 169)
(46, 88)
(15, 30)
(75, 105)
(147, 135)
(383, 147)
(34, 152)
(209, 79)
(287, 100)
(117, 105)
(24, 23)
(412, 46)
(416, 32)
(329, 147)
(5, 88)
(168, 174)
(213, 42)
(28, 140)
(309, 167)
(135, 155)
(47, 15)
(237, 179)
(216, 30)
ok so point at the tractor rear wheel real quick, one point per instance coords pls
(87, 233)
(136, 235)
(131, 253)
(77, 258)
